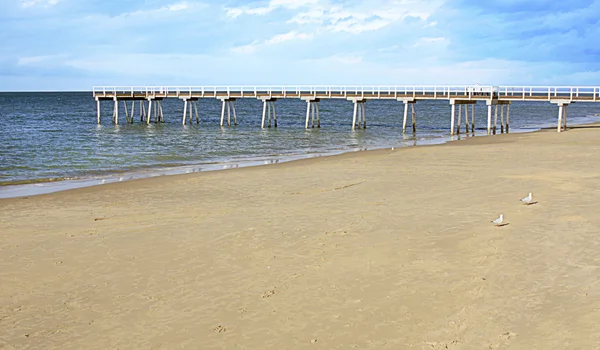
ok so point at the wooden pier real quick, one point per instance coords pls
(497, 98)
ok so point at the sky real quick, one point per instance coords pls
(77, 44)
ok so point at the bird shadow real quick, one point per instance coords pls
(532, 203)
(502, 225)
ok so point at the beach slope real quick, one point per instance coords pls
(379, 249)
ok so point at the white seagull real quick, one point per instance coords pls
(528, 200)
(498, 221)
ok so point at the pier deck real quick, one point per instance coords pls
(459, 95)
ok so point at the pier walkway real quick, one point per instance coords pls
(457, 95)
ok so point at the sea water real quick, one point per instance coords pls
(51, 140)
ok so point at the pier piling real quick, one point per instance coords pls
(195, 102)
(473, 118)
(312, 113)
(459, 119)
(507, 116)
(268, 112)
(116, 111)
(489, 118)
(405, 116)
(149, 111)
(142, 111)
(228, 103)
(414, 118)
(360, 114)
(495, 119)
(98, 109)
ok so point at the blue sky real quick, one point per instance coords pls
(76, 44)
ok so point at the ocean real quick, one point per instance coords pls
(51, 140)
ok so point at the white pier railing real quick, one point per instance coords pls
(525, 93)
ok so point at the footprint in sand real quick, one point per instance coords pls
(219, 329)
(504, 336)
(268, 293)
(508, 335)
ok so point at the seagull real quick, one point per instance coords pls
(528, 200)
(498, 221)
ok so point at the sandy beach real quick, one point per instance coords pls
(369, 250)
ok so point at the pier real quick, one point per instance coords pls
(497, 98)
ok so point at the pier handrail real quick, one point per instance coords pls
(345, 91)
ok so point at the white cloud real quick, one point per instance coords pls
(246, 49)
(388, 48)
(178, 7)
(38, 60)
(346, 16)
(44, 3)
(161, 11)
(279, 38)
(271, 6)
(276, 39)
(347, 59)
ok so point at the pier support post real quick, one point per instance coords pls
(495, 120)
(312, 113)
(561, 109)
(353, 116)
(161, 114)
(155, 113)
(452, 116)
(562, 114)
(405, 117)
(142, 111)
(414, 118)
(98, 109)
(360, 114)
(228, 112)
(502, 118)
(148, 116)
(274, 115)
(190, 112)
(222, 112)
(408, 102)
(463, 109)
(195, 102)
(230, 103)
(268, 112)
(467, 119)
(264, 114)
(185, 107)
(132, 112)
(318, 115)
(507, 117)
(460, 112)
(364, 115)
(116, 111)
(185, 102)
(126, 111)
(472, 118)
(190, 107)
(489, 118)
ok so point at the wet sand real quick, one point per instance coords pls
(379, 249)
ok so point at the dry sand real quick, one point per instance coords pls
(377, 250)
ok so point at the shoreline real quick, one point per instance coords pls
(375, 249)
(35, 188)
